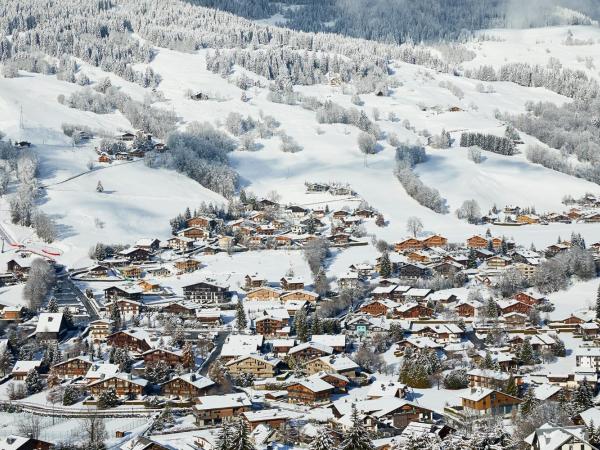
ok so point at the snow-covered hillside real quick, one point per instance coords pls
(139, 201)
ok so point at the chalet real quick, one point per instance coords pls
(434, 240)
(187, 265)
(99, 371)
(100, 329)
(542, 342)
(272, 418)
(19, 266)
(257, 365)
(336, 341)
(180, 243)
(413, 310)
(126, 306)
(310, 297)
(23, 367)
(440, 333)
(180, 310)
(72, 368)
(589, 330)
(447, 268)
(310, 350)
(340, 239)
(408, 244)
(486, 378)
(530, 298)
(338, 364)
(310, 392)
(194, 233)
(171, 357)
(362, 324)
(150, 286)
(133, 341)
(391, 292)
(13, 442)
(498, 262)
(254, 281)
(527, 219)
(484, 401)
(349, 280)
(125, 385)
(127, 136)
(10, 313)
(128, 291)
(201, 222)
(50, 326)
(98, 271)
(189, 385)
(291, 283)
(384, 389)
(588, 357)
(205, 292)
(213, 410)
(549, 437)
(417, 294)
(281, 347)
(466, 308)
(148, 244)
(210, 317)
(414, 270)
(264, 293)
(593, 217)
(135, 254)
(131, 271)
(509, 306)
(268, 325)
(381, 307)
(296, 211)
(477, 242)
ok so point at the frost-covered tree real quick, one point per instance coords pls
(240, 316)
(356, 437)
(414, 225)
(40, 281)
(367, 143)
(470, 211)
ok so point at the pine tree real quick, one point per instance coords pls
(33, 382)
(70, 395)
(240, 437)
(385, 269)
(108, 399)
(487, 362)
(582, 399)
(115, 316)
(165, 419)
(68, 317)
(323, 440)
(511, 387)
(224, 438)
(188, 358)
(529, 402)
(315, 325)
(99, 187)
(240, 316)
(472, 260)
(357, 437)
(526, 354)
(52, 305)
(5, 361)
(301, 325)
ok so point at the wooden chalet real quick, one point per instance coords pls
(264, 293)
(171, 357)
(125, 385)
(257, 365)
(212, 410)
(291, 284)
(310, 392)
(489, 402)
(130, 341)
(272, 418)
(100, 329)
(72, 368)
(205, 292)
(187, 265)
(189, 385)
(269, 326)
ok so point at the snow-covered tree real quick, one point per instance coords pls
(356, 437)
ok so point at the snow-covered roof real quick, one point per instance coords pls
(330, 340)
(546, 390)
(316, 384)
(315, 345)
(488, 373)
(386, 389)
(266, 414)
(101, 370)
(195, 379)
(339, 363)
(13, 442)
(49, 322)
(553, 438)
(24, 366)
(235, 400)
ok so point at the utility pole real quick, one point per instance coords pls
(21, 122)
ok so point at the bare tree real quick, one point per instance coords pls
(30, 426)
(39, 283)
(94, 432)
(414, 225)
